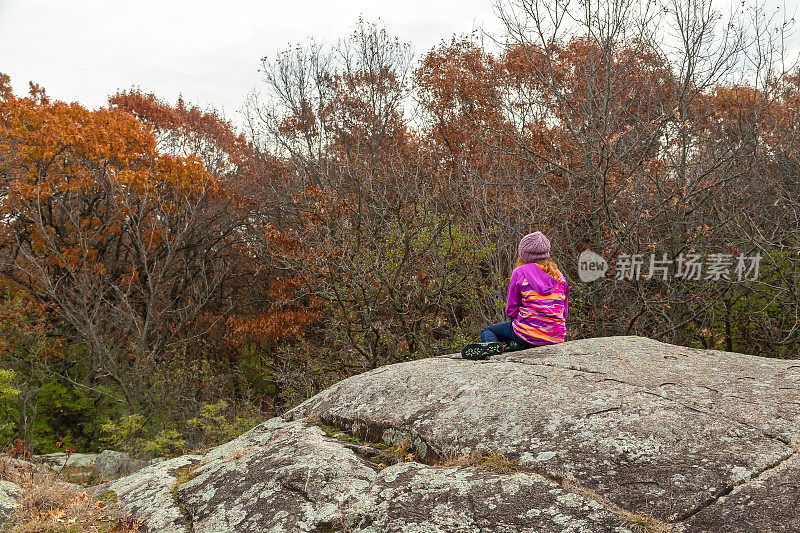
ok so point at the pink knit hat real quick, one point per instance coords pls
(534, 247)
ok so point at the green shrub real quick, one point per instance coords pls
(8, 409)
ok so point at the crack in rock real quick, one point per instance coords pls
(740, 485)
(647, 390)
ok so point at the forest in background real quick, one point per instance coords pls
(168, 280)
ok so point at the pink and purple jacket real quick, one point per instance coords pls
(537, 305)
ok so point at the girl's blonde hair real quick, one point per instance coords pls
(548, 265)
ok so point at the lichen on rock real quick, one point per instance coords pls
(148, 494)
(9, 493)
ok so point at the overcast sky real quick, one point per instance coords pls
(207, 50)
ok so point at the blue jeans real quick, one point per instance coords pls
(502, 332)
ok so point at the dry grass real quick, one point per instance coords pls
(188, 473)
(402, 452)
(493, 461)
(383, 455)
(49, 504)
(313, 418)
(380, 454)
(18, 471)
(644, 522)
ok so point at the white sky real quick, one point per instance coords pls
(207, 50)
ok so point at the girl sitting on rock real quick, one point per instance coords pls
(536, 304)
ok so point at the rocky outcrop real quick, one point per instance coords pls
(291, 476)
(608, 434)
(107, 464)
(285, 476)
(149, 494)
(113, 464)
(409, 496)
(9, 493)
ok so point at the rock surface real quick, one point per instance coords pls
(770, 502)
(410, 496)
(112, 464)
(279, 476)
(106, 464)
(290, 476)
(74, 460)
(603, 433)
(9, 493)
(149, 494)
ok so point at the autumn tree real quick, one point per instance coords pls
(461, 90)
(376, 239)
(127, 244)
